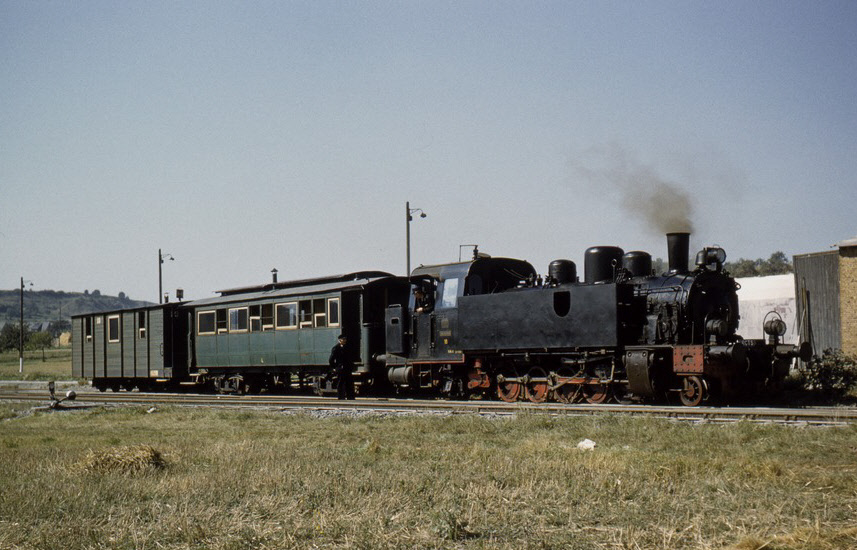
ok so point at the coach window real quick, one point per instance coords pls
(319, 314)
(221, 320)
(113, 328)
(87, 329)
(287, 315)
(256, 318)
(267, 316)
(305, 307)
(141, 324)
(333, 312)
(238, 319)
(206, 322)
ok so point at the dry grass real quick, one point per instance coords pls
(264, 480)
(130, 459)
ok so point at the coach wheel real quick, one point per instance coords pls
(237, 384)
(596, 393)
(537, 390)
(115, 386)
(693, 391)
(508, 391)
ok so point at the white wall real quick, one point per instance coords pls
(760, 295)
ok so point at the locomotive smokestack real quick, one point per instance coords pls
(678, 248)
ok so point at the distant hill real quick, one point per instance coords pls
(53, 305)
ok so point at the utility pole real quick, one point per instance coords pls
(408, 219)
(161, 258)
(21, 333)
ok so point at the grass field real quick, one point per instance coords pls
(230, 480)
(55, 366)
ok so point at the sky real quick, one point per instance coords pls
(239, 137)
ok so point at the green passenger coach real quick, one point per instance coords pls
(268, 336)
(255, 337)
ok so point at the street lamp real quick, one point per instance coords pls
(161, 258)
(21, 333)
(408, 218)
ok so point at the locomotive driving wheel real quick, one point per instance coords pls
(566, 393)
(694, 391)
(508, 391)
(596, 393)
(537, 390)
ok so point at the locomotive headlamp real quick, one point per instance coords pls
(708, 256)
(775, 327)
(718, 254)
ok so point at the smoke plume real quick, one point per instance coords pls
(663, 205)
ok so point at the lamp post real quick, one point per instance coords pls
(21, 332)
(408, 218)
(161, 258)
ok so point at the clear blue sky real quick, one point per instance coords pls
(243, 136)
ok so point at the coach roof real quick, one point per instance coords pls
(296, 288)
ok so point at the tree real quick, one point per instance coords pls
(10, 336)
(742, 268)
(777, 264)
(39, 340)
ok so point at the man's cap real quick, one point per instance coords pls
(341, 336)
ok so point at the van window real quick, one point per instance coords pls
(113, 328)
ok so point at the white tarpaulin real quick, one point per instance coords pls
(759, 296)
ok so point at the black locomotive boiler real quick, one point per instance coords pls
(492, 326)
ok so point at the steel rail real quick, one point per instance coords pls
(826, 416)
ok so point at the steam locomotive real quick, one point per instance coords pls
(487, 327)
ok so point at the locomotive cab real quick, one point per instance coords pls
(426, 331)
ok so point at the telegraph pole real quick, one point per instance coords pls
(21, 333)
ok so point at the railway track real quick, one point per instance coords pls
(818, 416)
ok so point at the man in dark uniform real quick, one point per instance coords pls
(342, 366)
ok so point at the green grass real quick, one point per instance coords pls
(266, 480)
(55, 366)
